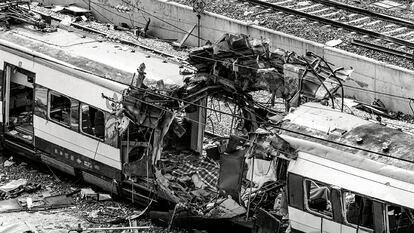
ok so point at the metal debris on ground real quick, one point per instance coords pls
(8, 162)
(232, 182)
(11, 12)
(89, 194)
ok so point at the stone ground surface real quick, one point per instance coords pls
(89, 213)
(244, 11)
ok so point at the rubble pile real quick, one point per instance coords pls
(235, 177)
(11, 12)
(56, 203)
(238, 182)
(241, 65)
(294, 25)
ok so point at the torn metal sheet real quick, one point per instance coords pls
(76, 10)
(59, 201)
(11, 205)
(12, 185)
(266, 222)
(16, 228)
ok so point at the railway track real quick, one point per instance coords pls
(383, 28)
(382, 49)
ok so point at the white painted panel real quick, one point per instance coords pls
(75, 87)
(16, 60)
(330, 226)
(77, 142)
(357, 180)
(303, 221)
(349, 229)
(307, 222)
(79, 89)
(21, 79)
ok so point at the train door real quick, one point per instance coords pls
(17, 115)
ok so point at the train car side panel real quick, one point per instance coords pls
(350, 178)
(86, 146)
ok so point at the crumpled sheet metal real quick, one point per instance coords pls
(16, 228)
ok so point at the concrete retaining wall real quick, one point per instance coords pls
(170, 20)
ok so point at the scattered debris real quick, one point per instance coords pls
(10, 205)
(8, 162)
(16, 228)
(13, 185)
(12, 12)
(334, 43)
(240, 63)
(377, 108)
(88, 193)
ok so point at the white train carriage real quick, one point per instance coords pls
(350, 175)
(52, 105)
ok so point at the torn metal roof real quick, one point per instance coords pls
(346, 132)
(103, 58)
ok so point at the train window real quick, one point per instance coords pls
(59, 108)
(92, 121)
(358, 210)
(111, 130)
(400, 219)
(40, 102)
(317, 197)
(74, 115)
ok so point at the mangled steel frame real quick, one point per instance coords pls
(11, 11)
(229, 70)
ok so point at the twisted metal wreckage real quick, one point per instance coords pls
(246, 175)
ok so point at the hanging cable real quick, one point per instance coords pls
(270, 124)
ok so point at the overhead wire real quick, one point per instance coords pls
(101, 5)
(352, 87)
(276, 127)
(326, 140)
(243, 66)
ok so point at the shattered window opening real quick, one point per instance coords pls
(317, 198)
(92, 121)
(214, 117)
(59, 108)
(358, 210)
(74, 115)
(400, 219)
(40, 101)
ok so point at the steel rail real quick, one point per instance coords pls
(366, 12)
(335, 23)
(382, 49)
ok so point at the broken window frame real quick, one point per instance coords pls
(49, 108)
(74, 115)
(306, 200)
(344, 209)
(41, 99)
(81, 104)
(387, 216)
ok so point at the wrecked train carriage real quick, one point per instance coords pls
(63, 104)
(349, 174)
(244, 64)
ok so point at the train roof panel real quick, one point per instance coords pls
(339, 129)
(103, 58)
